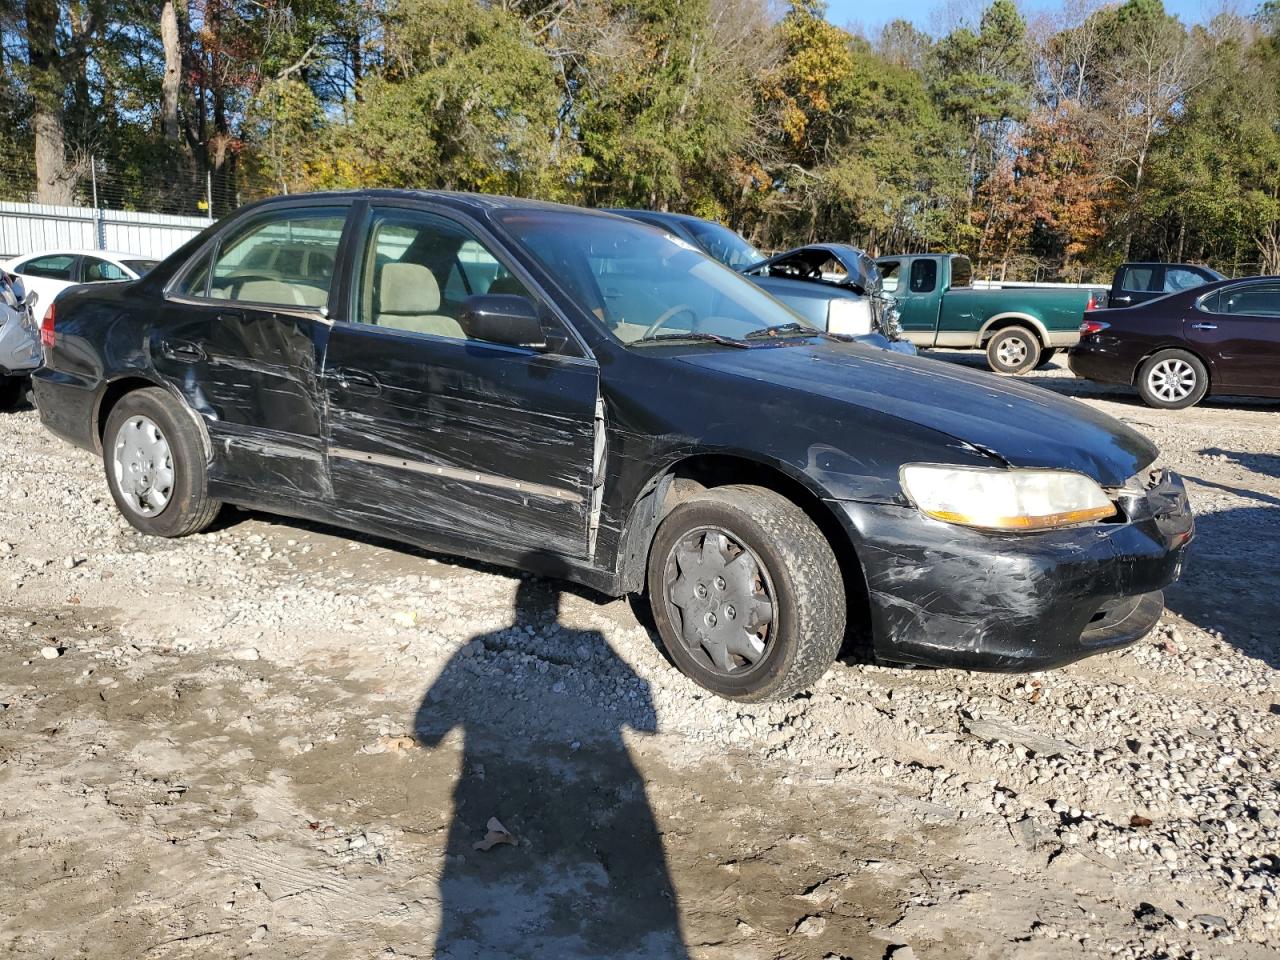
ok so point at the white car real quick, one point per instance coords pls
(50, 272)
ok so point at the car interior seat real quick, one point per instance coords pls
(408, 298)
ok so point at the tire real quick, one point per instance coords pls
(789, 563)
(12, 391)
(1013, 350)
(1173, 380)
(155, 466)
(1046, 355)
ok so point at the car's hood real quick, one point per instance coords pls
(861, 271)
(1023, 425)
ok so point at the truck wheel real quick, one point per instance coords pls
(1013, 350)
(1172, 380)
(155, 466)
(746, 593)
(11, 391)
(1045, 356)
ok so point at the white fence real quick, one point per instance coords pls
(27, 227)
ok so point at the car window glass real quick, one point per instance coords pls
(924, 276)
(961, 272)
(1180, 278)
(140, 267)
(1137, 279)
(286, 259)
(417, 271)
(96, 270)
(1257, 301)
(54, 267)
(889, 270)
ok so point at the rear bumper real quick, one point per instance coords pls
(949, 596)
(1096, 361)
(67, 404)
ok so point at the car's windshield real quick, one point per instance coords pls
(642, 283)
(723, 244)
(140, 267)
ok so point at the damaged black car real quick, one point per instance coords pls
(576, 394)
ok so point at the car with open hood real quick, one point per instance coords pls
(575, 394)
(834, 286)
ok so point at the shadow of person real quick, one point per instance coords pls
(541, 710)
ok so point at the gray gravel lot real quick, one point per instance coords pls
(273, 740)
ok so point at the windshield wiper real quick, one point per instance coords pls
(780, 329)
(691, 335)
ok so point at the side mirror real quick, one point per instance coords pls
(503, 318)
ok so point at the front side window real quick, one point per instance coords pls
(890, 270)
(417, 270)
(725, 245)
(641, 284)
(58, 266)
(285, 259)
(1255, 300)
(924, 276)
(97, 271)
(1177, 279)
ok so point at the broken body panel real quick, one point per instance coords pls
(561, 460)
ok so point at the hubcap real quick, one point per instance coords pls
(1012, 352)
(1172, 380)
(143, 466)
(720, 597)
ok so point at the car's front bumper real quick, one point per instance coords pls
(951, 596)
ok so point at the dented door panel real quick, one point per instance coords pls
(490, 442)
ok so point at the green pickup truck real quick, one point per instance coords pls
(1018, 327)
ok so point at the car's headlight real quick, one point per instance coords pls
(1000, 499)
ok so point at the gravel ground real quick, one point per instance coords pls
(273, 740)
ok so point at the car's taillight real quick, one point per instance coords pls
(1090, 327)
(47, 336)
(1095, 301)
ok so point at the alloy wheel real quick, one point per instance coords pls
(1012, 352)
(1172, 380)
(721, 598)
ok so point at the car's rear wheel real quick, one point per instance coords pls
(746, 593)
(1013, 350)
(155, 466)
(11, 391)
(1172, 380)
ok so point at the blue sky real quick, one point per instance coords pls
(928, 14)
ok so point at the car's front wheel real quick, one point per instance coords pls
(1013, 350)
(1172, 380)
(155, 466)
(746, 593)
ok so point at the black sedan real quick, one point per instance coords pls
(1220, 338)
(576, 394)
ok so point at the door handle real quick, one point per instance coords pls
(356, 381)
(1204, 326)
(183, 351)
(1123, 299)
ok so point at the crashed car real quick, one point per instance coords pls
(19, 338)
(835, 287)
(575, 394)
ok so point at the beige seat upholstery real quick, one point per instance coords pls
(408, 298)
(281, 292)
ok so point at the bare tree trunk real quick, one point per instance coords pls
(170, 85)
(54, 182)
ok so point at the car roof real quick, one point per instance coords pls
(73, 252)
(475, 203)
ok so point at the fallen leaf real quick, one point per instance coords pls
(497, 834)
(1138, 820)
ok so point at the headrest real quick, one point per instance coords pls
(407, 288)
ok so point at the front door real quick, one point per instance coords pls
(240, 339)
(430, 430)
(1238, 329)
(913, 284)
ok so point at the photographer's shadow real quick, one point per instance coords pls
(543, 753)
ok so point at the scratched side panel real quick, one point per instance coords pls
(470, 439)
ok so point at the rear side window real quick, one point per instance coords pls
(961, 272)
(1137, 279)
(96, 271)
(924, 276)
(1256, 300)
(1180, 278)
(54, 267)
(284, 259)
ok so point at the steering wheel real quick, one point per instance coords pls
(667, 316)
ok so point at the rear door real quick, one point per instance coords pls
(1238, 330)
(431, 430)
(240, 336)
